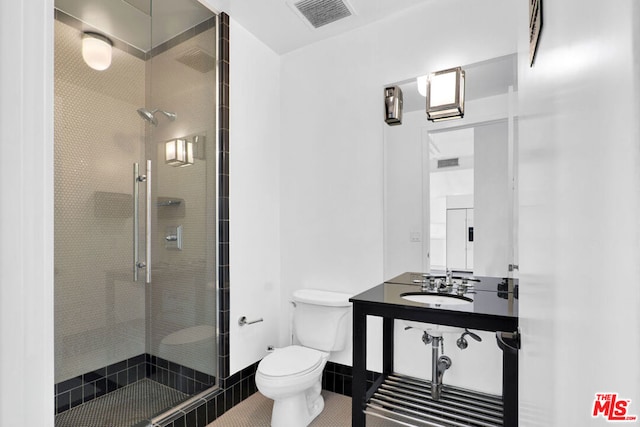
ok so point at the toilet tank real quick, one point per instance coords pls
(321, 319)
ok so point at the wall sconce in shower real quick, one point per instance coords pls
(96, 50)
(445, 94)
(178, 152)
(181, 152)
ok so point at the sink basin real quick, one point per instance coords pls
(433, 329)
(436, 299)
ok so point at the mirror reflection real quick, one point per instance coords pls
(450, 186)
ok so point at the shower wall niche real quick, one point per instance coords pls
(112, 331)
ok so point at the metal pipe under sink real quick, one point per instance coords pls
(438, 366)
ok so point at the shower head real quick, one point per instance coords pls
(150, 116)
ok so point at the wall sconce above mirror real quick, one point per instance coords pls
(445, 94)
(393, 105)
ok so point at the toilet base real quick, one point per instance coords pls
(298, 410)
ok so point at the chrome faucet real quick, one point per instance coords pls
(429, 284)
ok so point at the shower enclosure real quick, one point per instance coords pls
(135, 210)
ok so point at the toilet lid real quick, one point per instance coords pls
(292, 360)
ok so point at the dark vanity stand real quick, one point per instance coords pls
(495, 308)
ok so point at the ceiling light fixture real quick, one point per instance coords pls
(96, 50)
(445, 94)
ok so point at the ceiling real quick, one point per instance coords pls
(453, 143)
(278, 25)
(129, 20)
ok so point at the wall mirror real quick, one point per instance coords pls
(451, 187)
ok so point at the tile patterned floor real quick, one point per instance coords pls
(122, 408)
(256, 412)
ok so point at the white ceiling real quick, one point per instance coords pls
(129, 20)
(275, 22)
(277, 25)
(453, 143)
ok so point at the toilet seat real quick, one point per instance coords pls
(290, 361)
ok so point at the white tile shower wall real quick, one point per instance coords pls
(332, 155)
(579, 210)
(100, 312)
(254, 197)
(183, 294)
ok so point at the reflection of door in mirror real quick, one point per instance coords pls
(459, 240)
(469, 198)
(451, 177)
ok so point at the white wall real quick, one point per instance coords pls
(332, 131)
(491, 200)
(403, 196)
(254, 201)
(26, 213)
(579, 210)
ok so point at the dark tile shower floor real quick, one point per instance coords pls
(122, 408)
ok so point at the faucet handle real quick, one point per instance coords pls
(462, 342)
(473, 335)
(426, 338)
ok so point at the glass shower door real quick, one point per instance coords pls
(129, 348)
(181, 304)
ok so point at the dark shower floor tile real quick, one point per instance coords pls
(122, 408)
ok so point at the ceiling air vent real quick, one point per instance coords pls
(197, 59)
(323, 12)
(448, 163)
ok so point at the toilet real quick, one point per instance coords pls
(292, 376)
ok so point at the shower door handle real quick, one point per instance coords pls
(136, 219)
(137, 179)
(147, 226)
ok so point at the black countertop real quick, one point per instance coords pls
(494, 306)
